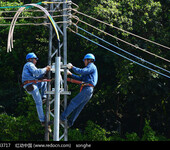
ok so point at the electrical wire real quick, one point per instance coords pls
(121, 29)
(122, 55)
(32, 17)
(123, 50)
(10, 34)
(34, 24)
(123, 40)
(52, 21)
(32, 10)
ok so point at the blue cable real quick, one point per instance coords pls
(124, 50)
(122, 56)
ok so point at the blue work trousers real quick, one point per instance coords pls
(38, 98)
(76, 105)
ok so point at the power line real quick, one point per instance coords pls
(35, 10)
(32, 17)
(45, 2)
(108, 42)
(123, 40)
(121, 29)
(123, 50)
(122, 55)
(34, 24)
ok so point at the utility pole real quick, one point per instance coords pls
(57, 92)
(56, 135)
(65, 62)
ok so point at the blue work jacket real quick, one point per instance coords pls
(30, 72)
(89, 74)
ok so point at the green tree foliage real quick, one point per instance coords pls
(23, 127)
(149, 134)
(126, 93)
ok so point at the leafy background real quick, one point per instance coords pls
(129, 103)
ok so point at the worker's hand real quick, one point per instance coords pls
(48, 68)
(69, 73)
(69, 66)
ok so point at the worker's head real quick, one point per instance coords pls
(31, 57)
(88, 58)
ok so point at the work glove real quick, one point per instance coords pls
(68, 72)
(69, 66)
(48, 68)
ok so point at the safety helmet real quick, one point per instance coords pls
(31, 55)
(89, 56)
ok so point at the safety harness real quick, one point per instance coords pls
(68, 79)
(35, 81)
(80, 83)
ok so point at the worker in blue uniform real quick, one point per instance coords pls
(89, 75)
(31, 73)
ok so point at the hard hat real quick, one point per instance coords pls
(89, 56)
(31, 55)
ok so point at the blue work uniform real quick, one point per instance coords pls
(89, 74)
(31, 72)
